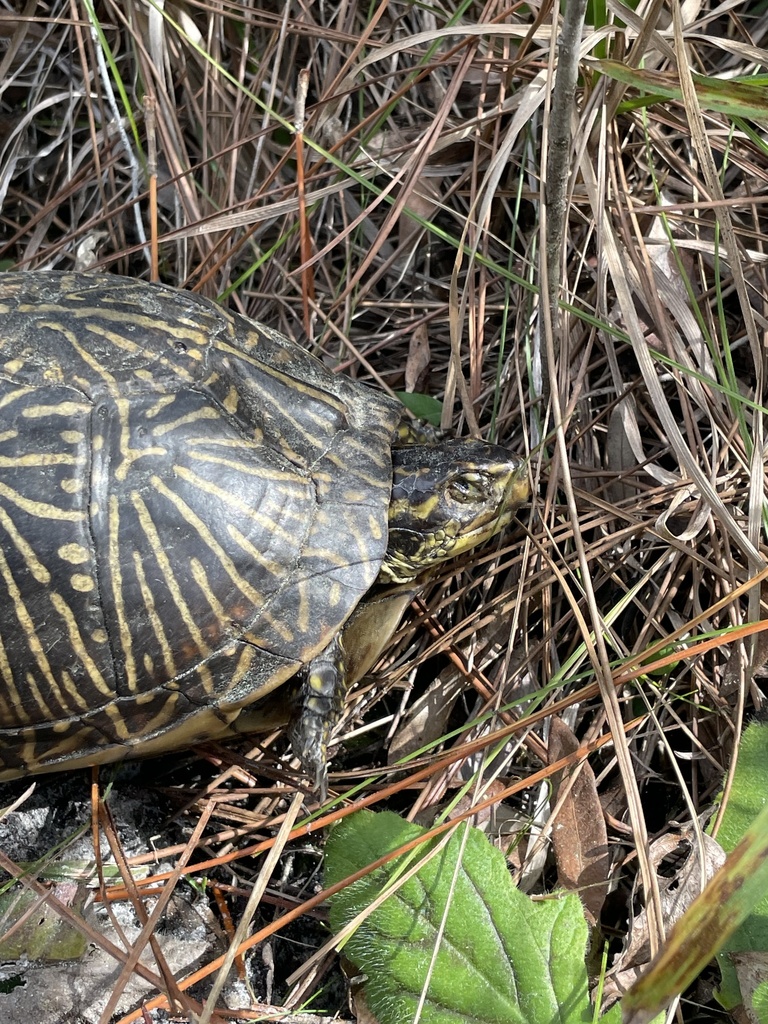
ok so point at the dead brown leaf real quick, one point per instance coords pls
(677, 892)
(579, 835)
(417, 364)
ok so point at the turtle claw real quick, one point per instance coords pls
(309, 733)
(319, 708)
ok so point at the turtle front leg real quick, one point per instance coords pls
(320, 702)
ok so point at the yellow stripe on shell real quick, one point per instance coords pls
(14, 396)
(40, 509)
(81, 582)
(12, 708)
(174, 366)
(162, 403)
(261, 521)
(35, 647)
(79, 649)
(155, 620)
(235, 443)
(118, 718)
(46, 412)
(31, 687)
(280, 476)
(275, 569)
(95, 365)
(379, 458)
(205, 412)
(70, 742)
(241, 669)
(201, 579)
(298, 389)
(303, 615)
(287, 378)
(41, 459)
(36, 568)
(169, 578)
(231, 400)
(251, 594)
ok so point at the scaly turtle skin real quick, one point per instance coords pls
(192, 510)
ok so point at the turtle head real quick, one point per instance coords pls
(447, 498)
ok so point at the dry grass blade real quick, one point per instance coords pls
(75, 920)
(149, 920)
(253, 900)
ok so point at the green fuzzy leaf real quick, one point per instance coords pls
(760, 1002)
(502, 959)
(746, 800)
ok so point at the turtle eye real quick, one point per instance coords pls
(466, 488)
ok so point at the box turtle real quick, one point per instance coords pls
(193, 511)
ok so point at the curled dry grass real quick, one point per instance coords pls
(400, 237)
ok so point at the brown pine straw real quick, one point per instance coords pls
(292, 915)
(621, 677)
